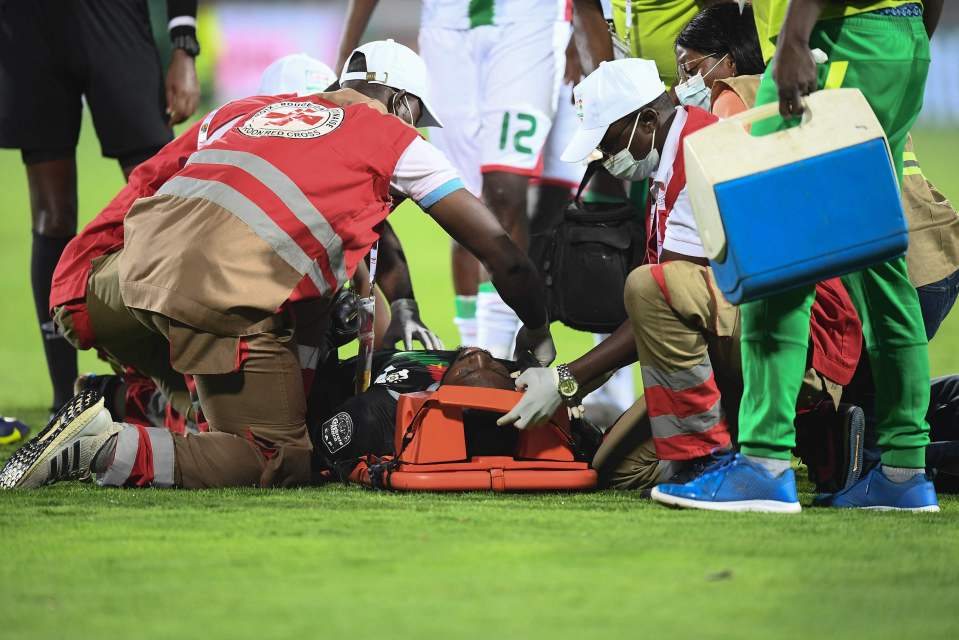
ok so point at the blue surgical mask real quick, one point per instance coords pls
(625, 167)
(694, 92)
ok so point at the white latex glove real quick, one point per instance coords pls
(535, 344)
(406, 325)
(540, 398)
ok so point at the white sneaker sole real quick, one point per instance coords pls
(932, 508)
(763, 506)
(77, 416)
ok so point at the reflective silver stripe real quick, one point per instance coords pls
(669, 426)
(290, 194)
(678, 380)
(244, 209)
(162, 443)
(128, 441)
(308, 356)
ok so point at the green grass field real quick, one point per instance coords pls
(82, 563)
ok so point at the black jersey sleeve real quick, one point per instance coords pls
(182, 17)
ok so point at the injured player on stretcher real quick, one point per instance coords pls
(364, 425)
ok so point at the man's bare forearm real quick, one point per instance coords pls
(800, 19)
(591, 34)
(469, 222)
(357, 19)
(615, 352)
(793, 68)
(393, 272)
(518, 283)
(931, 12)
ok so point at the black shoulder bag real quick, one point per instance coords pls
(585, 257)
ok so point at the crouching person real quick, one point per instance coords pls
(684, 333)
(630, 118)
(274, 213)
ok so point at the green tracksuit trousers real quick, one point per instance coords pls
(887, 58)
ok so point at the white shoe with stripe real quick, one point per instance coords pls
(65, 449)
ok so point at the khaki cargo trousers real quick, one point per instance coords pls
(256, 410)
(120, 339)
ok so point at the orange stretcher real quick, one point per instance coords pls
(431, 442)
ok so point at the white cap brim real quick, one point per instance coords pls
(583, 143)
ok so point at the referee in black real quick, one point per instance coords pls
(52, 53)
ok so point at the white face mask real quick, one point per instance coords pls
(694, 92)
(625, 167)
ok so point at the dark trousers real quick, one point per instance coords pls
(936, 300)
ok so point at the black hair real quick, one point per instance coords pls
(357, 62)
(722, 29)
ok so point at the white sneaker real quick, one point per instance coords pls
(65, 449)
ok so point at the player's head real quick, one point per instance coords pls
(475, 367)
(395, 75)
(296, 73)
(623, 107)
(719, 42)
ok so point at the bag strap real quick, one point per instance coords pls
(591, 170)
(365, 321)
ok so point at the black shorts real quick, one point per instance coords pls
(52, 52)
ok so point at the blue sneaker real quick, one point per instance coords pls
(12, 430)
(733, 483)
(875, 491)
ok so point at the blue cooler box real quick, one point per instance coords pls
(798, 206)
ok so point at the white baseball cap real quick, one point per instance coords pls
(610, 92)
(398, 67)
(296, 73)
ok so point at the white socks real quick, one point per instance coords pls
(497, 323)
(900, 474)
(774, 466)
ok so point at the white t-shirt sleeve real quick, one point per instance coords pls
(682, 235)
(424, 174)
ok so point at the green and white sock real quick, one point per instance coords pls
(465, 319)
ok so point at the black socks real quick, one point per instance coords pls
(61, 357)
